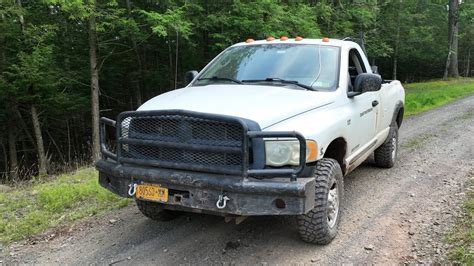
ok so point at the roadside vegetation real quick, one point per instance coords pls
(462, 235)
(65, 63)
(424, 96)
(32, 207)
(55, 55)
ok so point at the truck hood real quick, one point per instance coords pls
(266, 105)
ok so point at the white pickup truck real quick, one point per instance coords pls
(268, 127)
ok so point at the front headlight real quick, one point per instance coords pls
(287, 152)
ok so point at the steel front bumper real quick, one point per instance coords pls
(199, 192)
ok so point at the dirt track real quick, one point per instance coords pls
(396, 215)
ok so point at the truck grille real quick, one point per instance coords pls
(182, 141)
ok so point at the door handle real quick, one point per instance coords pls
(375, 103)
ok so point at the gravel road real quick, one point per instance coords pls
(397, 215)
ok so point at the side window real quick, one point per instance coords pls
(356, 67)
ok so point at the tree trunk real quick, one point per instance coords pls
(68, 142)
(468, 64)
(22, 20)
(362, 42)
(452, 69)
(21, 122)
(5, 161)
(42, 160)
(448, 63)
(170, 57)
(397, 43)
(453, 64)
(57, 148)
(138, 92)
(94, 87)
(176, 62)
(13, 157)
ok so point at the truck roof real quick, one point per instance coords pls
(325, 41)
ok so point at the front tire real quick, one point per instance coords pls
(386, 155)
(155, 211)
(319, 226)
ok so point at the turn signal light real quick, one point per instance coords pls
(311, 150)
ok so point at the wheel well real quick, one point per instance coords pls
(399, 118)
(337, 150)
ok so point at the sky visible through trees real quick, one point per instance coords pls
(64, 63)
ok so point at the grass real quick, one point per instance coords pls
(424, 96)
(418, 141)
(462, 236)
(31, 209)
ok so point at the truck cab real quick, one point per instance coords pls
(268, 127)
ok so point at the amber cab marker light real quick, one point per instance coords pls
(249, 40)
(325, 39)
(298, 38)
(283, 38)
(270, 38)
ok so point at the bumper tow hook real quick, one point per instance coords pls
(222, 202)
(132, 189)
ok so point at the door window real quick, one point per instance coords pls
(356, 67)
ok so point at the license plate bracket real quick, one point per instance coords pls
(152, 192)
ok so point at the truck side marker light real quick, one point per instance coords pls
(222, 201)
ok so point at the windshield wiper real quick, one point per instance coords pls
(222, 78)
(284, 81)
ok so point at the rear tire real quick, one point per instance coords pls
(155, 211)
(386, 155)
(319, 226)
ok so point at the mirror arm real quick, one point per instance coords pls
(352, 94)
(190, 76)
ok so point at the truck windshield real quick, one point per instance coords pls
(308, 65)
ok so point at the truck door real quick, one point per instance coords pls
(365, 105)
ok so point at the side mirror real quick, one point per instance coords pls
(189, 76)
(367, 82)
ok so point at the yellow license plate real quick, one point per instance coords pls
(152, 192)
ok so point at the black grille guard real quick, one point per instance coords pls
(248, 136)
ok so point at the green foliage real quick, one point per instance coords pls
(77, 9)
(424, 96)
(170, 21)
(145, 47)
(31, 209)
(259, 19)
(461, 237)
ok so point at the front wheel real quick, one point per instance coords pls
(155, 211)
(386, 155)
(319, 226)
